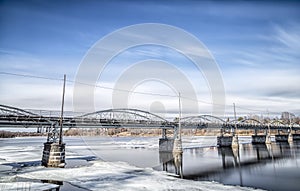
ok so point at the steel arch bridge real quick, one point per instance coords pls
(127, 118)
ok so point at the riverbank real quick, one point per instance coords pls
(129, 132)
(10, 134)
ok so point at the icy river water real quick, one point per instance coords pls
(134, 163)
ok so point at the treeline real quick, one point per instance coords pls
(9, 134)
(131, 132)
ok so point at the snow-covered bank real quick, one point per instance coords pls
(13, 186)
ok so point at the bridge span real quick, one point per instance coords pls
(135, 118)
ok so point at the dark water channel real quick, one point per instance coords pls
(270, 167)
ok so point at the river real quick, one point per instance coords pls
(122, 163)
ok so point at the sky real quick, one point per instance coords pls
(255, 45)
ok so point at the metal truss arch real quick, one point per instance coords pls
(248, 121)
(208, 118)
(124, 117)
(277, 122)
(9, 110)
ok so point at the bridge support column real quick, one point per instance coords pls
(224, 141)
(255, 131)
(281, 138)
(166, 144)
(54, 155)
(164, 133)
(259, 139)
(296, 137)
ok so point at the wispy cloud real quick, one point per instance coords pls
(256, 45)
(289, 36)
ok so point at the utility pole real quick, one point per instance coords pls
(235, 123)
(62, 112)
(269, 120)
(290, 137)
(54, 153)
(234, 116)
(235, 141)
(177, 147)
(179, 117)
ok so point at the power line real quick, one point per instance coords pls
(31, 76)
(130, 91)
(123, 90)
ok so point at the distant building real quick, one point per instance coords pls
(287, 115)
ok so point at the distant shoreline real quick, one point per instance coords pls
(123, 132)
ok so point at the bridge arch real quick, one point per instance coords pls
(277, 122)
(21, 117)
(125, 116)
(247, 121)
(202, 121)
(202, 118)
(9, 110)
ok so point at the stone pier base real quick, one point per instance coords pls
(53, 155)
(166, 144)
(224, 141)
(258, 139)
(281, 138)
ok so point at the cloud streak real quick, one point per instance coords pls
(255, 44)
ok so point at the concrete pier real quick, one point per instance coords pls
(296, 137)
(281, 138)
(166, 144)
(224, 141)
(293, 137)
(54, 155)
(258, 139)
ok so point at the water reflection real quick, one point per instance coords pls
(256, 165)
(171, 162)
(227, 153)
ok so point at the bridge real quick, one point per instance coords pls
(135, 118)
(128, 118)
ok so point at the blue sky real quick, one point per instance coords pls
(256, 45)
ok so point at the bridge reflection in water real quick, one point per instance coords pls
(247, 165)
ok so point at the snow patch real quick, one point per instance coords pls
(121, 176)
(13, 186)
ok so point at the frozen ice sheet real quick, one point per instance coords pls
(121, 176)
